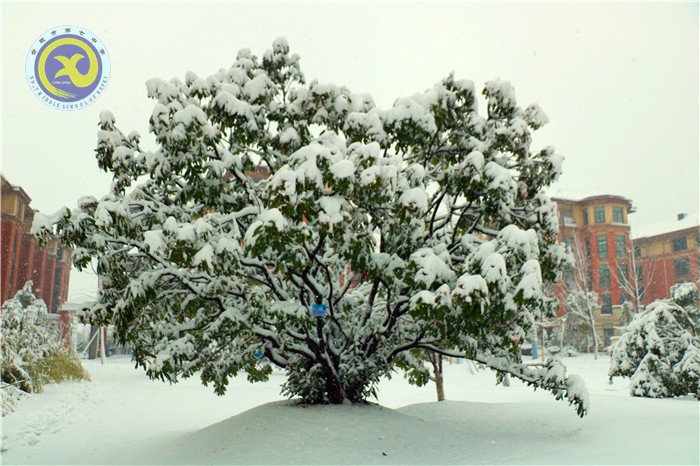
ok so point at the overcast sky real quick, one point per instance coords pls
(619, 82)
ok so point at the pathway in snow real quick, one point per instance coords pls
(41, 415)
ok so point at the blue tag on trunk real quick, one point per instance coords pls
(319, 310)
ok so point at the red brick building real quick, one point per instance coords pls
(23, 259)
(668, 252)
(596, 228)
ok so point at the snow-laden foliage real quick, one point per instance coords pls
(421, 226)
(660, 349)
(10, 395)
(25, 339)
(685, 294)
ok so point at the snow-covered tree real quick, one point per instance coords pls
(422, 226)
(660, 349)
(581, 301)
(633, 279)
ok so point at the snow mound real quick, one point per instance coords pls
(449, 432)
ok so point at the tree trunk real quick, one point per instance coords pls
(439, 379)
(595, 343)
(542, 332)
(593, 334)
(561, 336)
(93, 348)
(102, 344)
(333, 391)
(436, 361)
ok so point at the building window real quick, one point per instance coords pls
(13, 263)
(608, 332)
(599, 214)
(569, 242)
(604, 272)
(623, 277)
(566, 218)
(637, 252)
(602, 247)
(569, 278)
(682, 267)
(623, 298)
(680, 244)
(585, 216)
(617, 215)
(606, 304)
(620, 246)
(56, 288)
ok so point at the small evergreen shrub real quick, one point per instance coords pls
(660, 349)
(25, 339)
(31, 353)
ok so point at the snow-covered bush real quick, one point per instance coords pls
(660, 349)
(686, 294)
(31, 352)
(422, 226)
(25, 339)
(10, 395)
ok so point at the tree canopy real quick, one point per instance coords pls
(421, 226)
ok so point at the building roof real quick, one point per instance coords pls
(576, 196)
(9, 188)
(666, 226)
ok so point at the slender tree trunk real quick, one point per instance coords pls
(436, 361)
(439, 380)
(542, 332)
(593, 334)
(561, 336)
(102, 344)
(94, 344)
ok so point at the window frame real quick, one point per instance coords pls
(569, 242)
(602, 252)
(623, 271)
(596, 211)
(678, 246)
(608, 333)
(677, 262)
(621, 211)
(606, 269)
(620, 251)
(606, 305)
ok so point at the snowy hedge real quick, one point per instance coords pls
(660, 349)
(26, 338)
(31, 351)
(24, 341)
(421, 226)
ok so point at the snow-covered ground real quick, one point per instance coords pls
(123, 418)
